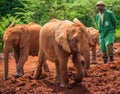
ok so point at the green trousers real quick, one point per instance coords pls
(109, 51)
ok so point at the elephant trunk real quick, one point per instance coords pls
(82, 60)
(6, 55)
(86, 55)
(79, 62)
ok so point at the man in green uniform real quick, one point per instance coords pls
(106, 25)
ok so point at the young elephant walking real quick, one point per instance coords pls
(58, 40)
(24, 41)
(94, 40)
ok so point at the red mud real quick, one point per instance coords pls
(100, 78)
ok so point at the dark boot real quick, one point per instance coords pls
(105, 61)
(111, 58)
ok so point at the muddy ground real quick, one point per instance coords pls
(100, 79)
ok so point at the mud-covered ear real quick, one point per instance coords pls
(8, 28)
(61, 37)
(31, 23)
(82, 26)
(11, 25)
(24, 36)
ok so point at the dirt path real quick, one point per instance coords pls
(100, 78)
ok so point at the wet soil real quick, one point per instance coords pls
(100, 78)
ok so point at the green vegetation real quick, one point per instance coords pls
(117, 35)
(41, 11)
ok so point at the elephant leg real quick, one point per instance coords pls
(80, 69)
(16, 55)
(38, 70)
(63, 60)
(20, 65)
(94, 54)
(46, 68)
(23, 57)
(57, 72)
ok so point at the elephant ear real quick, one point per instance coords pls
(31, 23)
(8, 30)
(61, 36)
(11, 25)
(24, 36)
(91, 42)
(82, 26)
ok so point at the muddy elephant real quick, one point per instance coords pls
(24, 40)
(58, 40)
(94, 40)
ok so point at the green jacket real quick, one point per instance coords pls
(107, 28)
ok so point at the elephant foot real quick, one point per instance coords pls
(43, 76)
(77, 82)
(36, 75)
(56, 88)
(19, 72)
(16, 75)
(39, 76)
(94, 62)
(46, 68)
(57, 82)
(68, 86)
(5, 79)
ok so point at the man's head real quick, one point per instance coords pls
(100, 6)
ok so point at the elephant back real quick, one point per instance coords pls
(94, 35)
(34, 30)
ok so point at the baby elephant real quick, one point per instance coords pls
(94, 40)
(58, 40)
(24, 41)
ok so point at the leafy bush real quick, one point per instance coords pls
(41, 11)
(117, 35)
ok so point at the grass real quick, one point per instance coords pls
(117, 36)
